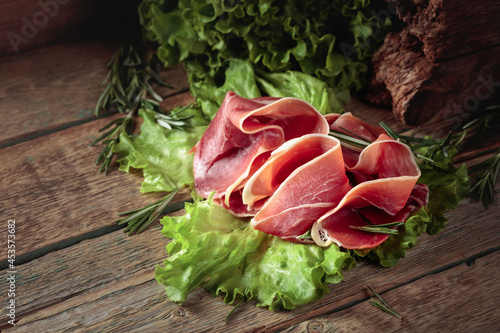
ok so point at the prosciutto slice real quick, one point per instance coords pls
(242, 136)
(349, 124)
(303, 179)
(384, 191)
(271, 158)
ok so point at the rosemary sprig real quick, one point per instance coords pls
(128, 82)
(128, 87)
(351, 142)
(381, 304)
(172, 119)
(140, 219)
(483, 179)
(380, 228)
(484, 175)
(109, 138)
(389, 131)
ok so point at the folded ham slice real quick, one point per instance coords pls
(241, 137)
(271, 158)
(303, 179)
(385, 176)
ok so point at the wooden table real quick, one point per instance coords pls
(76, 271)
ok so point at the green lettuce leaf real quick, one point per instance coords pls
(446, 190)
(448, 185)
(162, 154)
(238, 261)
(306, 87)
(241, 77)
(395, 247)
(328, 40)
(206, 240)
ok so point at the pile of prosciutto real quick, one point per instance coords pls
(272, 160)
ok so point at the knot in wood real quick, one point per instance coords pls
(315, 327)
(180, 312)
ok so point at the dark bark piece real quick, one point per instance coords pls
(443, 63)
(448, 29)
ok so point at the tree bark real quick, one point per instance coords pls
(443, 65)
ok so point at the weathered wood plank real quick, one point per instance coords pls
(55, 193)
(107, 283)
(41, 92)
(27, 24)
(90, 267)
(460, 299)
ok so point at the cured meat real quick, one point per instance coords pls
(384, 195)
(349, 125)
(303, 179)
(271, 158)
(241, 137)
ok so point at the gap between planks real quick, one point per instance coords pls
(444, 302)
(53, 179)
(42, 94)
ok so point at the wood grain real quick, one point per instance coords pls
(438, 65)
(55, 192)
(444, 26)
(440, 302)
(78, 273)
(115, 275)
(63, 91)
(27, 24)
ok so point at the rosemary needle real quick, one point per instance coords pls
(139, 219)
(484, 177)
(128, 87)
(381, 304)
(380, 228)
(349, 141)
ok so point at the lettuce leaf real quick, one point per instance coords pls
(306, 87)
(238, 261)
(395, 247)
(242, 78)
(446, 190)
(328, 40)
(448, 185)
(161, 154)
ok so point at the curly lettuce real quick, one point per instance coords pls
(328, 40)
(161, 154)
(212, 248)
